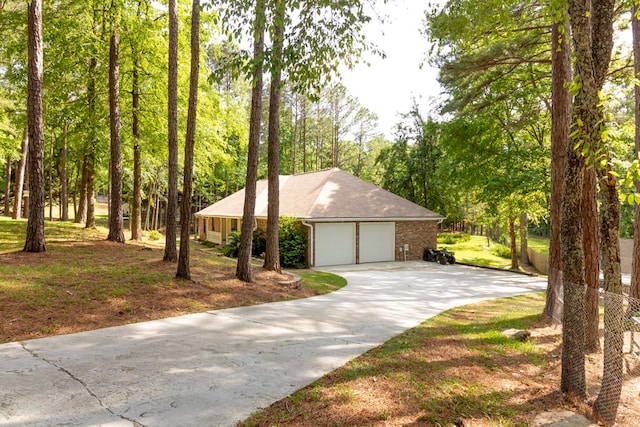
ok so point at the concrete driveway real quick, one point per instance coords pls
(216, 368)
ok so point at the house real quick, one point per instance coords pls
(348, 220)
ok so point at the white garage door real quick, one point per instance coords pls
(335, 244)
(377, 241)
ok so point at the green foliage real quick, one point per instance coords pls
(502, 251)
(154, 235)
(259, 245)
(293, 243)
(453, 238)
(232, 247)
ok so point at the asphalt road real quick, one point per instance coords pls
(216, 368)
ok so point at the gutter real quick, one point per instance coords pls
(306, 224)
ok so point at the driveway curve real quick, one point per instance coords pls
(216, 368)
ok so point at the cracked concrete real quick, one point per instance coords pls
(216, 368)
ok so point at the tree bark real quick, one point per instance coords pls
(524, 242)
(272, 254)
(81, 213)
(20, 174)
(116, 227)
(512, 239)
(243, 268)
(573, 380)
(136, 208)
(90, 148)
(170, 248)
(50, 179)
(560, 116)
(64, 180)
(634, 290)
(592, 30)
(7, 188)
(35, 239)
(187, 189)
(591, 260)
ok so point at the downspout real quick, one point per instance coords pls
(306, 224)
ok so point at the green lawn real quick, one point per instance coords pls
(477, 251)
(539, 244)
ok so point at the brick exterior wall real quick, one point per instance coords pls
(419, 235)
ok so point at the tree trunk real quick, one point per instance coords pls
(606, 405)
(560, 115)
(90, 196)
(296, 123)
(149, 205)
(634, 291)
(243, 268)
(514, 247)
(90, 148)
(35, 240)
(170, 248)
(592, 30)
(116, 227)
(51, 180)
(303, 137)
(187, 189)
(591, 257)
(7, 189)
(524, 243)
(64, 180)
(272, 254)
(136, 208)
(573, 380)
(81, 213)
(20, 174)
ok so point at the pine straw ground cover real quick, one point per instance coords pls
(456, 369)
(83, 282)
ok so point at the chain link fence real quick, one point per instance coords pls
(619, 334)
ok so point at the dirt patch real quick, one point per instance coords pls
(79, 286)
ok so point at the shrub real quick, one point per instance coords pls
(293, 243)
(453, 238)
(154, 235)
(232, 247)
(259, 244)
(502, 251)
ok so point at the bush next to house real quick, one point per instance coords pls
(293, 243)
(232, 247)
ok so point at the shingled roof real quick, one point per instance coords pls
(328, 195)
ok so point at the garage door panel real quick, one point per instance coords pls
(335, 244)
(377, 241)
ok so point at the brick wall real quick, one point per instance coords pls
(418, 234)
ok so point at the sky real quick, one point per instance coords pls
(387, 86)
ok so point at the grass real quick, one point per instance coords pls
(450, 368)
(539, 244)
(322, 282)
(83, 282)
(476, 251)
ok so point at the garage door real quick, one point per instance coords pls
(377, 241)
(335, 244)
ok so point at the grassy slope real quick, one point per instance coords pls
(476, 251)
